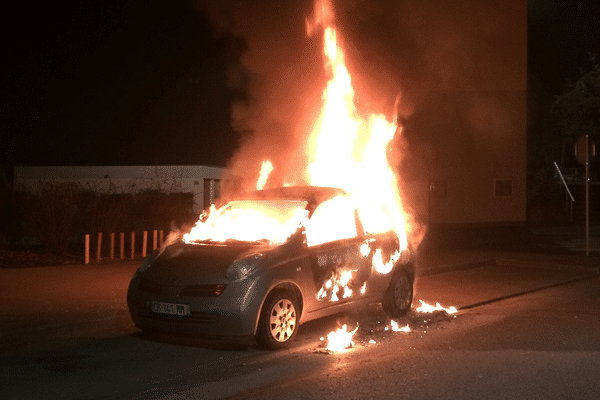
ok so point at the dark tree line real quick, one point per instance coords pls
(576, 112)
(579, 106)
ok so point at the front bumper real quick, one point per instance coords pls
(234, 313)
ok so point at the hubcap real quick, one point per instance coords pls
(402, 292)
(283, 320)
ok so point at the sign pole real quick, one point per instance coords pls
(587, 195)
(585, 150)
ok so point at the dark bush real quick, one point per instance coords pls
(154, 208)
(52, 215)
(63, 211)
(102, 212)
(7, 211)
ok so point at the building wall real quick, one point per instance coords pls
(203, 181)
(482, 166)
(466, 137)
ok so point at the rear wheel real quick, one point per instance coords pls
(398, 297)
(278, 323)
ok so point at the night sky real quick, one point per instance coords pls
(117, 82)
(160, 82)
(561, 35)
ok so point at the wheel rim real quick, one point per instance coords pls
(403, 292)
(283, 320)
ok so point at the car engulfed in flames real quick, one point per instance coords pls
(263, 262)
(265, 287)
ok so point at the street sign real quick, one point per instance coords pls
(585, 149)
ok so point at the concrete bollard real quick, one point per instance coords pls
(112, 245)
(122, 248)
(87, 249)
(99, 247)
(144, 243)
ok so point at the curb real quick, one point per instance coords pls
(547, 265)
(509, 261)
(457, 267)
(534, 290)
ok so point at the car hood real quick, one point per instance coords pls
(181, 264)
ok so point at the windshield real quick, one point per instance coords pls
(251, 221)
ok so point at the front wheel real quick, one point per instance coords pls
(398, 297)
(278, 322)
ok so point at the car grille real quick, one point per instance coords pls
(149, 286)
(202, 290)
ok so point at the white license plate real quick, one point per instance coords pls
(170, 308)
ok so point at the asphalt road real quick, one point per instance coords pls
(543, 345)
(522, 332)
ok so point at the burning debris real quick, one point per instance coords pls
(397, 328)
(426, 308)
(340, 339)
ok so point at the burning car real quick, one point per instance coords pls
(264, 262)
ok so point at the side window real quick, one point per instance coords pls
(332, 220)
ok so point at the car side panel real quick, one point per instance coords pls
(328, 263)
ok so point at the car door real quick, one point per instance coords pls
(334, 241)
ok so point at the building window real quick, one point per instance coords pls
(503, 187)
(437, 189)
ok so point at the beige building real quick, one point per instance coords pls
(467, 134)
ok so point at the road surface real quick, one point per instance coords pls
(520, 332)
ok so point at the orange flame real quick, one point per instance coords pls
(348, 150)
(265, 169)
(273, 221)
(426, 308)
(397, 328)
(384, 267)
(340, 339)
(338, 286)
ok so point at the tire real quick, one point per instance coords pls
(398, 298)
(278, 322)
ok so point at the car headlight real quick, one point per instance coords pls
(241, 268)
(149, 260)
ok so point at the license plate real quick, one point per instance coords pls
(170, 308)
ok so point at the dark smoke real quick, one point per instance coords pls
(285, 85)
